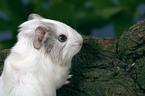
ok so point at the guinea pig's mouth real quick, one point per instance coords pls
(81, 43)
(78, 43)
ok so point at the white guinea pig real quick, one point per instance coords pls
(39, 62)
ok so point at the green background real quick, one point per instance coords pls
(82, 15)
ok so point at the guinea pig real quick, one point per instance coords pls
(40, 61)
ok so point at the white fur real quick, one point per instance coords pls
(30, 72)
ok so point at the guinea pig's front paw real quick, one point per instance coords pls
(68, 77)
(67, 82)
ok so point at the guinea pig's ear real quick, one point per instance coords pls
(40, 34)
(34, 16)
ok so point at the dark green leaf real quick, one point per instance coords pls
(4, 25)
(101, 4)
(109, 12)
(61, 11)
(121, 22)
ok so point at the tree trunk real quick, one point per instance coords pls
(107, 66)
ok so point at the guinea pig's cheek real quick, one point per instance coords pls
(76, 49)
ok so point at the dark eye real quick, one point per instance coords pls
(62, 38)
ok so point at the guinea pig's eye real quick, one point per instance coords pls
(62, 38)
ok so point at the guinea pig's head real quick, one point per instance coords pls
(53, 38)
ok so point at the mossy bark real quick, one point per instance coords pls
(108, 66)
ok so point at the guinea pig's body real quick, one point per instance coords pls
(39, 62)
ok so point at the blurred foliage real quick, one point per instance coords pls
(82, 15)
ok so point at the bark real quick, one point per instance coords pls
(107, 66)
